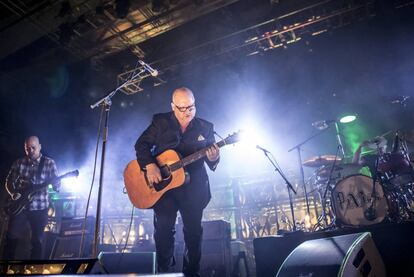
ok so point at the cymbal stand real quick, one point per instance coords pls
(288, 184)
(328, 183)
(302, 173)
(369, 213)
(338, 137)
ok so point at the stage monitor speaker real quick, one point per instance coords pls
(135, 262)
(347, 255)
(47, 267)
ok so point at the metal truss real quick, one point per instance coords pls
(132, 80)
(278, 33)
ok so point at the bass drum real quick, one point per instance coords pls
(352, 198)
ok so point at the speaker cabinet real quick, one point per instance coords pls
(135, 262)
(68, 247)
(215, 249)
(347, 255)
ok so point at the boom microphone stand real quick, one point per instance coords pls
(288, 184)
(106, 103)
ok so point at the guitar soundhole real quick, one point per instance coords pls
(166, 178)
(161, 185)
(165, 172)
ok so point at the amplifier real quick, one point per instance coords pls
(216, 251)
(215, 229)
(69, 247)
(72, 227)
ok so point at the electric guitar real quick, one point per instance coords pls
(25, 191)
(142, 194)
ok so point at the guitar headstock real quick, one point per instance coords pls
(74, 173)
(233, 138)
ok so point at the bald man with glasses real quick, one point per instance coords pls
(181, 131)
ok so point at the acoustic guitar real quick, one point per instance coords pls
(142, 194)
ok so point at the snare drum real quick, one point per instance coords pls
(352, 197)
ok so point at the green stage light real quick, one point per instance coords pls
(347, 118)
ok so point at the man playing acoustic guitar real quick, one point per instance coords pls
(32, 170)
(181, 131)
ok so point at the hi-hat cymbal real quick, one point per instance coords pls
(319, 161)
(377, 142)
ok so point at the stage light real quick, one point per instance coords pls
(245, 151)
(347, 118)
(70, 184)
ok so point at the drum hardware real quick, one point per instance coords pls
(358, 200)
(370, 213)
(289, 186)
(302, 173)
(395, 167)
(323, 199)
(352, 197)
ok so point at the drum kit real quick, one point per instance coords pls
(375, 188)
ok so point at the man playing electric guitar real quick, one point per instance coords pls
(33, 169)
(184, 133)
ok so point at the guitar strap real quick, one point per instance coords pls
(40, 168)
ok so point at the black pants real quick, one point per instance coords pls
(17, 231)
(165, 214)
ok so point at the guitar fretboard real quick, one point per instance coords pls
(194, 157)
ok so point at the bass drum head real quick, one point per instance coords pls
(352, 197)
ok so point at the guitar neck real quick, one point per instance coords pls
(194, 157)
(53, 181)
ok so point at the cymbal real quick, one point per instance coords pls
(377, 142)
(319, 161)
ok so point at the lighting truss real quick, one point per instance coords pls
(132, 80)
(279, 32)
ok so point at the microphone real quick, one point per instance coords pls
(147, 67)
(322, 124)
(263, 149)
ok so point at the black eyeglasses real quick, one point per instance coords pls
(184, 109)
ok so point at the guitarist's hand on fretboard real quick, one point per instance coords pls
(213, 153)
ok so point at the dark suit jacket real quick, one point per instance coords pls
(165, 133)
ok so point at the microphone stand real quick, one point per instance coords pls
(288, 185)
(302, 173)
(338, 137)
(106, 103)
